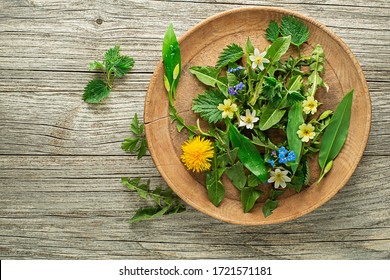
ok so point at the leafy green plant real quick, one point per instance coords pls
(113, 66)
(138, 143)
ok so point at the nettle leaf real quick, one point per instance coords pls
(249, 196)
(149, 213)
(231, 53)
(122, 65)
(206, 105)
(336, 133)
(296, 28)
(269, 117)
(272, 32)
(96, 65)
(306, 171)
(237, 175)
(95, 91)
(136, 127)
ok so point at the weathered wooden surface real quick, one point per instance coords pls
(61, 162)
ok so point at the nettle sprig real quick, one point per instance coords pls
(113, 66)
(164, 201)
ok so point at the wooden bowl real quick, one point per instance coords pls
(201, 46)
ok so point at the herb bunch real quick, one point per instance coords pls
(113, 66)
(262, 116)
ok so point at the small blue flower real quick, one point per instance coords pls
(272, 162)
(231, 91)
(291, 156)
(239, 68)
(273, 153)
(282, 151)
(240, 86)
(231, 70)
(282, 160)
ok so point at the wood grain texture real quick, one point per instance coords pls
(61, 163)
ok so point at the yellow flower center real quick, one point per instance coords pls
(306, 132)
(311, 105)
(248, 119)
(197, 154)
(258, 59)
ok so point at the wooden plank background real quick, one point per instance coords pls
(61, 162)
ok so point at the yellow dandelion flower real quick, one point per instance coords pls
(197, 154)
(310, 105)
(306, 132)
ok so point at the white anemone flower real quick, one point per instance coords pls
(279, 178)
(249, 119)
(258, 59)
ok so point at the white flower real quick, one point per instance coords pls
(310, 105)
(249, 119)
(258, 59)
(227, 108)
(279, 177)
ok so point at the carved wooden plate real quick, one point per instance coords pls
(201, 46)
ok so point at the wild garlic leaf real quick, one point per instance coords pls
(248, 154)
(206, 105)
(296, 28)
(253, 181)
(231, 53)
(295, 119)
(272, 31)
(278, 48)
(171, 58)
(95, 91)
(249, 196)
(249, 49)
(206, 74)
(270, 116)
(215, 188)
(336, 133)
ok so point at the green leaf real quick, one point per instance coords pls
(249, 49)
(296, 28)
(269, 206)
(231, 53)
(215, 188)
(142, 148)
(135, 126)
(111, 55)
(269, 117)
(295, 119)
(272, 31)
(253, 181)
(96, 65)
(306, 172)
(149, 213)
(336, 133)
(237, 175)
(248, 154)
(294, 97)
(95, 91)
(249, 196)
(295, 83)
(207, 75)
(171, 57)
(317, 66)
(206, 105)
(122, 66)
(278, 48)
(129, 144)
